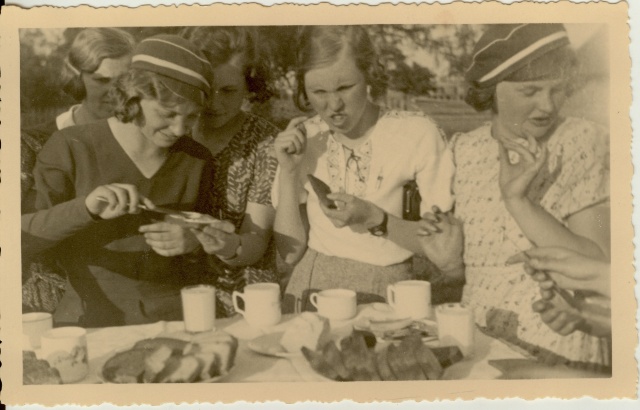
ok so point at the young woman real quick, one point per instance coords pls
(91, 180)
(366, 156)
(241, 246)
(529, 177)
(97, 57)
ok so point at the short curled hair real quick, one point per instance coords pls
(320, 46)
(222, 45)
(89, 48)
(136, 85)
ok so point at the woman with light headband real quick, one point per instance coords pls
(529, 177)
(91, 181)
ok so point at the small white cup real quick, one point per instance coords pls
(65, 348)
(335, 304)
(198, 308)
(261, 304)
(34, 325)
(410, 298)
(456, 326)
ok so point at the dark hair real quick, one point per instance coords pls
(554, 64)
(221, 45)
(89, 48)
(140, 84)
(322, 45)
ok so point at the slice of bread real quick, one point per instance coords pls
(209, 366)
(153, 344)
(155, 362)
(180, 369)
(125, 367)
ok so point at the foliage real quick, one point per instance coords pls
(42, 56)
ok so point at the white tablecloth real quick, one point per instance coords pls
(254, 367)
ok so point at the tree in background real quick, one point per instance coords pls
(42, 54)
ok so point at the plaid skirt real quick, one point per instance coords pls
(317, 271)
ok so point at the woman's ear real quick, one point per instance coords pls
(75, 88)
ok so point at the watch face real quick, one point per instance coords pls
(378, 231)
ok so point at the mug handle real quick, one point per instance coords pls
(314, 299)
(234, 298)
(391, 295)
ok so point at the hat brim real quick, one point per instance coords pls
(184, 90)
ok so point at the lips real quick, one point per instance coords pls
(541, 121)
(338, 119)
(171, 138)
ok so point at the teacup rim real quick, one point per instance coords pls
(337, 292)
(412, 281)
(64, 332)
(36, 316)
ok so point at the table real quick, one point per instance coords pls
(254, 367)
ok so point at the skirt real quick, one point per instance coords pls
(317, 271)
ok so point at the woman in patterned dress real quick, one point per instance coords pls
(240, 244)
(529, 177)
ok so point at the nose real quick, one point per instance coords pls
(546, 102)
(179, 126)
(335, 102)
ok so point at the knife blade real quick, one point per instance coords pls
(158, 209)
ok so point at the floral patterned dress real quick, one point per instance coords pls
(575, 177)
(243, 172)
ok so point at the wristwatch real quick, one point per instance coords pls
(380, 230)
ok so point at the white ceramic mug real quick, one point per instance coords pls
(456, 326)
(34, 325)
(198, 308)
(261, 304)
(65, 348)
(410, 298)
(336, 304)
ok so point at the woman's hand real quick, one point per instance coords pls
(566, 268)
(219, 238)
(290, 145)
(516, 178)
(442, 240)
(113, 200)
(168, 239)
(351, 210)
(563, 320)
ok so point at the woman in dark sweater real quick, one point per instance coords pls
(91, 179)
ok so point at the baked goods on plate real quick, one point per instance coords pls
(36, 371)
(381, 320)
(353, 360)
(190, 219)
(173, 360)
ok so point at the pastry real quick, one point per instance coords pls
(35, 371)
(409, 360)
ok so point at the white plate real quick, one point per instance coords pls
(269, 345)
(429, 326)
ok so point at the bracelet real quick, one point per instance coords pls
(236, 254)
